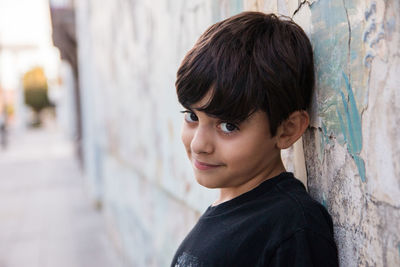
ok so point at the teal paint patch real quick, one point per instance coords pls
(360, 166)
(353, 118)
(322, 146)
(350, 123)
(342, 125)
(337, 58)
(325, 132)
(321, 149)
(324, 201)
(330, 42)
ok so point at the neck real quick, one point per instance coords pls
(235, 191)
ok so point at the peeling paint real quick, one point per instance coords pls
(351, 127)
(353, 118)
(339, 109)
(330, 56)
(357, 99)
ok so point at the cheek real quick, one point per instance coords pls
(186, 137)
(248, 150)
(233, 152)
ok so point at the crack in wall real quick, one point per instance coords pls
(300, 6)
(347, 21)
(380, 203)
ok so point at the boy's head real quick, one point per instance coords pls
(245, 85)
(249, 62)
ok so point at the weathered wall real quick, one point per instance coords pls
(353, 148)
(129, 52)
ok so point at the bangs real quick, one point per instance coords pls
(221, 67)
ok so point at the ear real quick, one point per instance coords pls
(292, 129)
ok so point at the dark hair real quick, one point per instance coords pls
(252, 61)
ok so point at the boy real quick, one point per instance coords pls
(246, 86)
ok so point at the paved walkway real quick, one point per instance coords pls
(46, 219)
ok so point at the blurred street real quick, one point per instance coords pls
(46, 218)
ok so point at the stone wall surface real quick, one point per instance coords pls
(136, 166)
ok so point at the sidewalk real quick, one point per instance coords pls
(46, 219)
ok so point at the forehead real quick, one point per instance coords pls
(204, 101)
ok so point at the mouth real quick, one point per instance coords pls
(204, 166)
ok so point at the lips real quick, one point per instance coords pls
(204, 166)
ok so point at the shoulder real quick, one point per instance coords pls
(289, 209)
(310, 214)
(296, 224)
(303, 248)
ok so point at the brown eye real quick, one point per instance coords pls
(227, 127)
(191, 117)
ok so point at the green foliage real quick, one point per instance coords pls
(35, 89)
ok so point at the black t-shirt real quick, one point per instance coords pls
(275, 224)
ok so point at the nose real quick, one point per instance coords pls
(203, 140)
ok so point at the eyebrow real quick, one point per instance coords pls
(191, 109)
(197, 109)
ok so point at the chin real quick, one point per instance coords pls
(207, 182)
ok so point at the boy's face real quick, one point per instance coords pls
(224, 155)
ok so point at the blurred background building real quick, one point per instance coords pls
(25, 43)
(64, 38)
(111, 82)
(45, 217)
